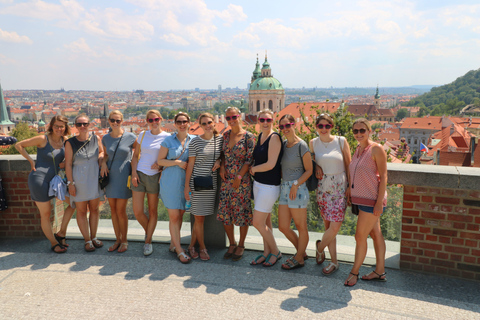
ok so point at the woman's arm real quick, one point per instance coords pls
(307, 164)
(37, 141)
(134, 164)
(347, 158)
(100, 152)
(162, 159)
(273, 152)
(103, 166)
(188, 175)
(69, 169)
(318, 170)
(380, 158)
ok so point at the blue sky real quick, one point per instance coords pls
(184, 44)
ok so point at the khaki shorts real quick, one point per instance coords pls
(148, 184)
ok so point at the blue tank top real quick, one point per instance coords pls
(260, 156)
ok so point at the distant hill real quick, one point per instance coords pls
(449, 99)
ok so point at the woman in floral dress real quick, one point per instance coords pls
(332, 155)
(235, 204)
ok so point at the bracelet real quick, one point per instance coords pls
(239, 177)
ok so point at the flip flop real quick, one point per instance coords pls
(331, 268)
(348, 280)
(123, 247)
(114, 247)
(377, 278)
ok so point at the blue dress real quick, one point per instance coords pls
(172, 182)
(121, 167)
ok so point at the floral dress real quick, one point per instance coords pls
(235, 204)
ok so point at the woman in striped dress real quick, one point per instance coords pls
(203, 160)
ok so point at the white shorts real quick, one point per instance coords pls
(264, 196)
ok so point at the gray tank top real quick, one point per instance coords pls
(45, 159)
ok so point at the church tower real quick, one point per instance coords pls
(104, 117)
(5, 124)
(376, 101)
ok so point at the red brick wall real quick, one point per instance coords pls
(22, 218)
(441, 231)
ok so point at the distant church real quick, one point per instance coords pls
(265, 92)
(6, 126)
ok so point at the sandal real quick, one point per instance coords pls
(236, 257)
(123, 247)
(320, 256)
(97, 243)
(204, 255)
(89, 246)
(255, 261)
(60, 246)
(331, 268)
(114, 247)
(347, 284)
(192, 252)
(172, 250)
(291, 264)
(184, 256)
(61, 240)
(228, 254)
(377, 278)
(277, 256)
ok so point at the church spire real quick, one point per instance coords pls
(4, 120)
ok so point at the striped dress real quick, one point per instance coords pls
(204, 151)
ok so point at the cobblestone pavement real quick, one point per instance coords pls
(37, 284)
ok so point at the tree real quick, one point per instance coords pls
(22, 132)
(402, 113)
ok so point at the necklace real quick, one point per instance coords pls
(325, 144)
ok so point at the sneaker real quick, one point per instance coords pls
(147, 249)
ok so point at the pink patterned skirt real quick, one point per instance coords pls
(331, 198)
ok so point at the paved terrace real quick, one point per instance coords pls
(35, 284)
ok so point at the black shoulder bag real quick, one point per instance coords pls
(312, 181)
(103, 181)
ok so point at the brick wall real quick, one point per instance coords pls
(22, 218)
(441, 231)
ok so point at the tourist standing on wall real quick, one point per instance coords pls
(146, 176)
(173, 157)
(368, 173)
(201, 180)
(266, 187)
(83, 155)
(118, 146)
(50, 157)
(332, 156)
(294, 197)
(235, 207)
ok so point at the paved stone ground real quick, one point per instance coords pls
(37, 284)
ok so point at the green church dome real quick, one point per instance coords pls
(41, 123)
(266, 83)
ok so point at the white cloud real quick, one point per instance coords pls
(35, 9)
(231, 14)
(14, 37)
(81, 47)
(7, 61)
(177, 40)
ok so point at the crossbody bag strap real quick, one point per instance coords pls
(88, 140)
(116, 150)
(140, 151)
(53, 157)
(184, 147)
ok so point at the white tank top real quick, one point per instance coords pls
(329, 155)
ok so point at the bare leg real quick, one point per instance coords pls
(300, 219)
(329, 239)
(122, 219)
(174, 225)
(380, 251)
(45, 209)
(116, 227)
(94, 216)
(82, 221)
(263, 223)
(229, 230)
(284, 222)
(138, 209)
(152, 215)
(241, 243)
(67, 216)
(199, 231)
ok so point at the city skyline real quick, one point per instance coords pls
(182, 45)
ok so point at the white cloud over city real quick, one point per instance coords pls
(183, 44)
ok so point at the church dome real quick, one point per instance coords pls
(266, 83)
(41, 123)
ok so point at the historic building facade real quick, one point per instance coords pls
(265, 92)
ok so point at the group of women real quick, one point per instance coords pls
(181, 169)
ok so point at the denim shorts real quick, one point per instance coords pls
(368, 209)
(265, 196)
(301, 200)
(147, 184)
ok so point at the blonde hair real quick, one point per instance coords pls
(117, 113)
(208, 115)
(266, 111)
(81, 115)
(326, 117)
(232, 108)
(149, 112)
(364, 122)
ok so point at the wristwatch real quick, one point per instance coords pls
(295, 182)
(70, 182)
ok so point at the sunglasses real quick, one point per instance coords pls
(268, 120)
(113, 121)
(287, 126)
(362, 131)
(206, 123)
(81, 124)
(326, 126)
(151, 120)
(231, 118)
(180, 122)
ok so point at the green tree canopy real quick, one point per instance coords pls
(22, 132)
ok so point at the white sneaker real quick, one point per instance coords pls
(147, 249)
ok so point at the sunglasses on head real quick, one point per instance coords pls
(81, 124)
(206, 123)
(268, 120)
(286, 126)
(180, 122)
(326, 126)
(362, 131)
(228, 118)
(114, 120)
(151, 120)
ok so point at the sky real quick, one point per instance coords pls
(187, 44)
